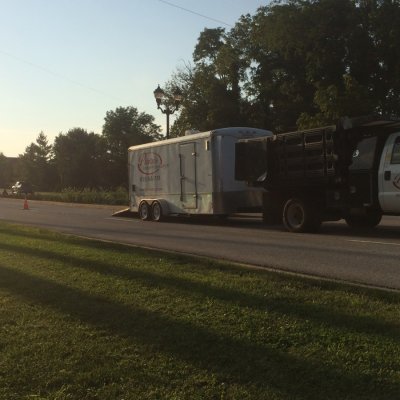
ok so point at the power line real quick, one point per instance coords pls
(58, 75)
(195, 13)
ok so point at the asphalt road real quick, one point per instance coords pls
(371, 258)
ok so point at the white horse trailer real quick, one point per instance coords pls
(192, 174)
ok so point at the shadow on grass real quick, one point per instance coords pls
(233, 361)
(318, 313)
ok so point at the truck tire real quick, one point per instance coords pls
(300, 215)
(156, 211)
(144, 211)
(370, 220)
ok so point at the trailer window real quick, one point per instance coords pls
(363, 156)
(396, 151)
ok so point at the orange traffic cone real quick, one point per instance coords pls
(26, 205)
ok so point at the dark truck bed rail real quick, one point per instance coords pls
(320, 156)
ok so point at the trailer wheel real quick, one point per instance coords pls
(156, 211)
(300, 216)
(144, 211)
(370, 220)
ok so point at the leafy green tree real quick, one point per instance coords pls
(321, 59)
(353, 100)
(211, 88)
(36, 164)
(3, 171)
(79, 159)
(299, 48)
(381, 18)
(125, 127)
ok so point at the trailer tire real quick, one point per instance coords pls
(156, 211)
(144, 211)
(368, 221)
(299, 215)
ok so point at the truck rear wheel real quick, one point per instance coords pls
(370, 220)
(144, 211)
(300, 216)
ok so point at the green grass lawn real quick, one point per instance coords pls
(82, 319)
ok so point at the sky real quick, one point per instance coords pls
(65, 63)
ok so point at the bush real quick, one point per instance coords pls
(118, 196)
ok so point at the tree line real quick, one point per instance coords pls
(80, 159)
(293, 64)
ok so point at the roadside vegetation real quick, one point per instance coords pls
(83, 319)
(87, 196)
(118, 196)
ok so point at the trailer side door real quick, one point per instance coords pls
(187, 155)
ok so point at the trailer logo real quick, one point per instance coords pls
(149, 163)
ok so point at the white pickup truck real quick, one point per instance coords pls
(350, 170)
(389, 175)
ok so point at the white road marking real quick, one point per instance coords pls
(371, 242)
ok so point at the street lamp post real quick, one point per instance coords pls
(159, 95)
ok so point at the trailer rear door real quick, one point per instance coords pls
(187, 155)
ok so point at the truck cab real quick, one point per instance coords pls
(374, 173)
